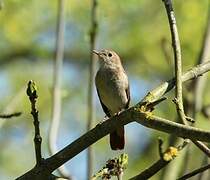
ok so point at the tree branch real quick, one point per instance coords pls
(165, 87)
(90, 104)
(177, 59)
(195, 172)
(132, 114)
(32, 94)
(7, 116)
(178, 69)
(165, 158)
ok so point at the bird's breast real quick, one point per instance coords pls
(111, 87)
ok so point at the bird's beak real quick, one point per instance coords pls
(96, 52)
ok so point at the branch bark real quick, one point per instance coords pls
(178, 69)
(32, 94)
(177, 59)
(132, 114)
(195, 172)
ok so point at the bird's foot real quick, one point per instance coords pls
(118, 113)
(103, 120)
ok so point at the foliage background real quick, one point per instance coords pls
(135, 29)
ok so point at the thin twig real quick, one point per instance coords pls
(165, 158)
(90, 104)
(178, 69)
(32, 94)
(149, 172)
(7, 116)
(165, 87)
(177, 59)
(13, 102)
(127, 116)
(109, 126)
(202, 147)
(200, 82)
(195, 172)
(57, 81)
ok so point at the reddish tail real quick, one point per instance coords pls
(117, 139)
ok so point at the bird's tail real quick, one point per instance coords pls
(117, 139)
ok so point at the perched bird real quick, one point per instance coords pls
(113, 91)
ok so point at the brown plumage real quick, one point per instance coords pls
(113, 91)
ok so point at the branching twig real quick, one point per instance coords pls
(32, 94)
(165, 87)
(90, 105)
(127, 116)
(177, 59)
(178, 70)
(109, 126)
(195, 172)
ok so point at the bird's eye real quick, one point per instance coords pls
(110, 54)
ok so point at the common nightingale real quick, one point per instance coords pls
(113, 91)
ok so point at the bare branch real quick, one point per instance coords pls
(195, 172)
(177, 59)
(165, 87)
(32, 94)
(202, 147)
(178, 71)
(127, 116)
(90, 104)
(165, 158)
(7, 116)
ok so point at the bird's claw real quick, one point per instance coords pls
(103, 120)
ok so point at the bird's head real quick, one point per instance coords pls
(108, 57)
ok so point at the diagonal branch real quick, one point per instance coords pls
(165, 87)
(132, 114)
(165, 158)
(195, 172)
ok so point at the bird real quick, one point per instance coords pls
(113, 91)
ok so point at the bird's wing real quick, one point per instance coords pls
(127, 90)
(106, 110)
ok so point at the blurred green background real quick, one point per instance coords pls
(137, 30)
